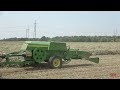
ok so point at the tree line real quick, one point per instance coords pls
(70, 39)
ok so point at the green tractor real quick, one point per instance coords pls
(55, 53)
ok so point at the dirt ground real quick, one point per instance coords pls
(108, 68)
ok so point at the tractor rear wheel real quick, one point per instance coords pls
(55, 62)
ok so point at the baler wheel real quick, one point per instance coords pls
(55, 62)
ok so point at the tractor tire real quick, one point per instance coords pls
(55, 62)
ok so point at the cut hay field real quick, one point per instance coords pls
(108, 68)
(97, 48)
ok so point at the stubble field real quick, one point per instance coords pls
(108, 67)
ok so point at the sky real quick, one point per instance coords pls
(59, 23)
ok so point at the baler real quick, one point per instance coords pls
(54, 53)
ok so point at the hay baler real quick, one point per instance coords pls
(55, 53)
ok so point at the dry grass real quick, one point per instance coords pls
(98, 48)
(10, 46)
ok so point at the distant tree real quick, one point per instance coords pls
(69, 39)
(43, 38)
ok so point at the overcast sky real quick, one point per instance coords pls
(59, 23)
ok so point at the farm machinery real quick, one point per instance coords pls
(54, 53)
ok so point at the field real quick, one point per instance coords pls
(108, 68)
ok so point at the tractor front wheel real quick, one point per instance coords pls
(55, 62)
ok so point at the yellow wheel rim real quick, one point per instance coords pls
(56, 62)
